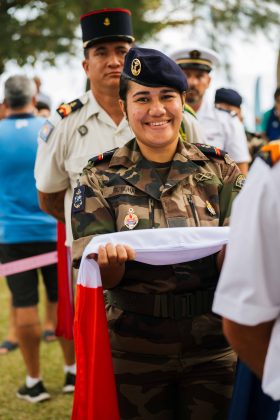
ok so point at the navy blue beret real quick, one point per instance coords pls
(152, 68)
(228, 96)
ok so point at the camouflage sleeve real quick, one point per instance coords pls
(233, 181)
(91, 214)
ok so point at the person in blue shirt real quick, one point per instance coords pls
(25, 230)
(270, 124)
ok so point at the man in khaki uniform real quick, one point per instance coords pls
(91, 124)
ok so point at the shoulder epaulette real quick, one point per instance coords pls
(270, 153)
(211, 150)
(62, 111)
(228, 111)
(66, 109)
(103, 157)
(188, 108)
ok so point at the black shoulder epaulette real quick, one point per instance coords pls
(210, 150)
(103, 156)
(270, 153)
(66, 109)
(228, 111)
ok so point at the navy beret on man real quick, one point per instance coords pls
(152, 68)
(228, 96)
(105, 25)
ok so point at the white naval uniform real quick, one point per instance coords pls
(223, 130)
(248, 290)
(74, 140)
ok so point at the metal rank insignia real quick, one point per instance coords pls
(203, 176)
(210, 208)
(131, 220)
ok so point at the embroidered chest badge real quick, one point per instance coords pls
(131, 220)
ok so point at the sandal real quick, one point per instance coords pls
(7, 346)
(48, 336)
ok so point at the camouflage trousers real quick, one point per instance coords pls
(170, 370)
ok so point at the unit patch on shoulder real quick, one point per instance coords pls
(78, 203)
(46, 131)
(103, 156)
(66, 109)
(210, 150)
(240, 180)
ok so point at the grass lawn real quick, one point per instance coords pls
(12, 375)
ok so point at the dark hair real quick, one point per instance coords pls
(123, 87)
(277, 93)
(42, 105)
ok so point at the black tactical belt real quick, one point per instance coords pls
(167, 305)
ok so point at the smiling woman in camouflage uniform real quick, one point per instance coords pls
(171, 360)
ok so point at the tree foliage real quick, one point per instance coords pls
(44, 29)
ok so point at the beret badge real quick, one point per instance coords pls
(106, 22)
(136, 67)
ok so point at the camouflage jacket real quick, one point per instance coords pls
(198, 191)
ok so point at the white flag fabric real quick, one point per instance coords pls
(156, 247)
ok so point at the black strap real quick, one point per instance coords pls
(168, 305)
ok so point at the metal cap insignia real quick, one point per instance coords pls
(136, 67)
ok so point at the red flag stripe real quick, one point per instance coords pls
(95, 392)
